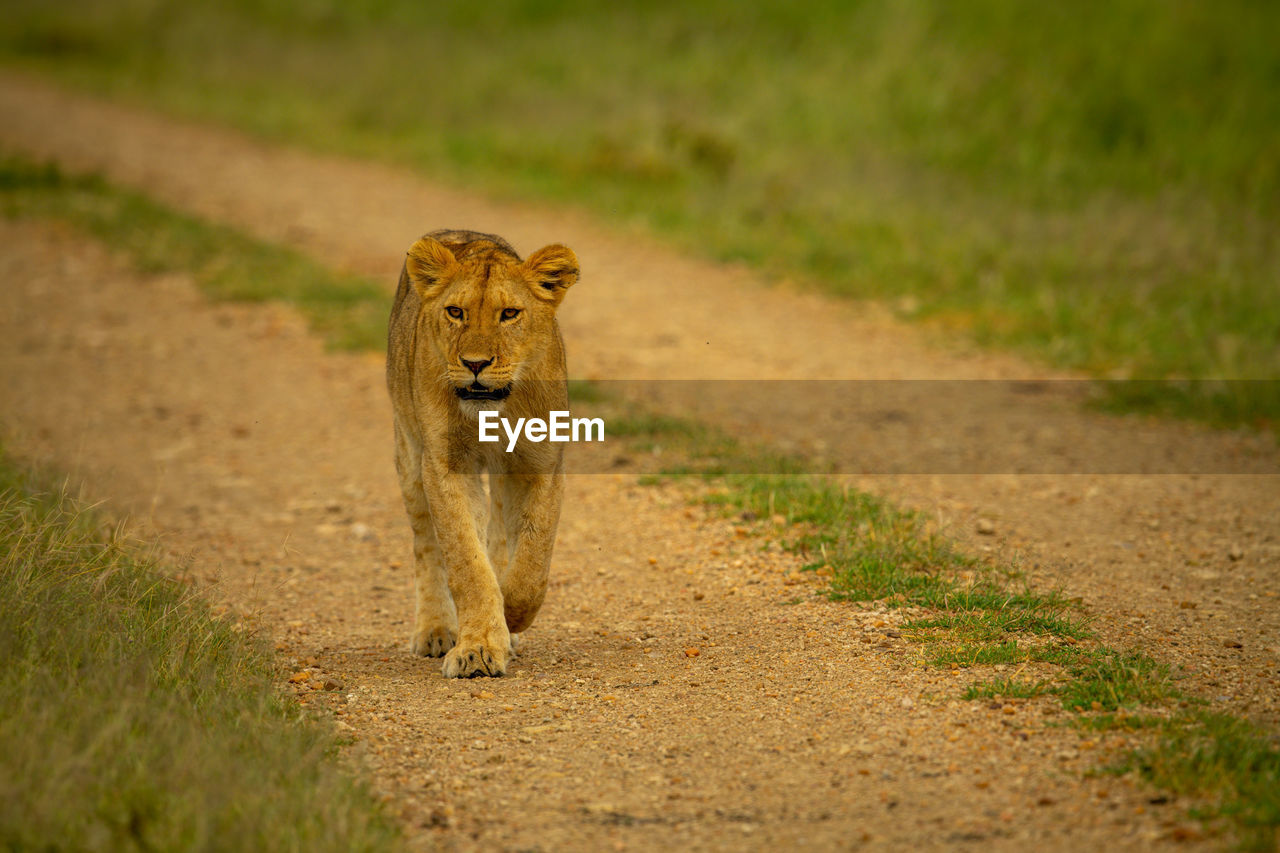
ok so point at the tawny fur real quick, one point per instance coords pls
(481, 561)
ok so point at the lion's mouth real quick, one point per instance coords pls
(476, 391)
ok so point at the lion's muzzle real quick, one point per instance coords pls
(476, 391)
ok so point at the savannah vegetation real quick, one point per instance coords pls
(980, 613)
(1094, 184)
(135, 717)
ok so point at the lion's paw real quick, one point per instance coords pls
(473, 661)
(432, 642)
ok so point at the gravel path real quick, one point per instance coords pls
(669, 694)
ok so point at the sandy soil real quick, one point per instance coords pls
(669, 694)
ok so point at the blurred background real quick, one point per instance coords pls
(1094, 184)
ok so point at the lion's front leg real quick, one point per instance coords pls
(530, 505)
(435, 621)
(457, 508)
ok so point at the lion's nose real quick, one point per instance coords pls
(477, 366)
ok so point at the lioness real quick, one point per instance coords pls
(474, 327)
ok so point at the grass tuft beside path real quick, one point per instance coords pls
(972, 613)
(1229, 763)
(133, 718)
(348, 311)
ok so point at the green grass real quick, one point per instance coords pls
(872, 549)
(1108, 680)
(875, 551)
(869, 548)
(1233, 766)
(1095, 184)
(945, 651)
(133, 718)
(983, 614)
(1005, 688)
(1092, 679)
(1119, 721)
(349, 312)
(1021, 613)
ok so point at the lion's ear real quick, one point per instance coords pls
(552, 270)
(429, 263)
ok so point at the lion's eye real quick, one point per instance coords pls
(454, 311)
(510, 313)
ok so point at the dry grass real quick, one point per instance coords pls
(133, 718)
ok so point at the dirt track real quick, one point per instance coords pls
(266, 464)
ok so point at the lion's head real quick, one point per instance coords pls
(489, 316)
